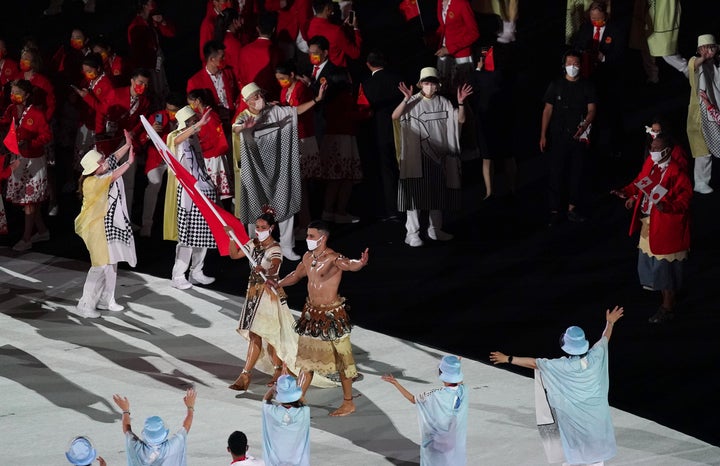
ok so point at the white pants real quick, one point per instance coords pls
(150, 197)
(129, 181)
(99, 287)
(188, 257)
(287, 235)
(412, 224)
(703, 170)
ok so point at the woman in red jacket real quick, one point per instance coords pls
(213, 142)
(44, 94)
(27, 185)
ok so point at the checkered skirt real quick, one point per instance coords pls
(193, 230)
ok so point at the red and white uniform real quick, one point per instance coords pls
(341, 48)
(203, 80)
(215, 147)
(458, 29)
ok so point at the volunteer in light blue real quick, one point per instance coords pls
(577, 390)
(286, 425)
(443, 414)
(82, 453)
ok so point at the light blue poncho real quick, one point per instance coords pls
(286, 435)
(169, 453)
(443, 417)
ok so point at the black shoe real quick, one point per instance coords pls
(661, 316)
(575, 217)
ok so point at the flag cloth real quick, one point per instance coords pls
(10, 140)
(409, 9)
(215, 216)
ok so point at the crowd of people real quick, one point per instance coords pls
(274, 113)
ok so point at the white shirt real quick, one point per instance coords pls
(217, 80)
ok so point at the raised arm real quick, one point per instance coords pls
(353, 265)
(496, 357)
(611, 317)
(189, 400)
(235, 252)
(124, 404)
(402, 106)
(462, 93)
(403, 391)
(120, 171)
(305, 106)
(192, 129)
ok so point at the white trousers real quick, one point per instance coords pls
(703, 170)
(99, 287)
(412, 224)
(188, 257)
(129, 182)
(287, 235)
(152, 190)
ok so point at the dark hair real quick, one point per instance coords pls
(36, 61)
(320, 225)
(267, 22)
(204, 95)
(571, 53)
(102, 41)
(320, 41)
(144, 72)
(237, 443)
(223, 22)
(269, 217)
(286, 67)
(93, 60)
(212, 48)
(376, 59)
(665, 139)
(319, 5)
(177, 99)
(25, 86)
(600, 6)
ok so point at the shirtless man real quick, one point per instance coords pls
(324, 326)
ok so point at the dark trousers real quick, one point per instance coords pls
(567, 172)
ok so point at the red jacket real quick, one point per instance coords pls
(233, 46)
(8, 70)
(118, 115)
(43, 94)
(207, 29)
(212, 138)
(31, 128)
(258, 60)
(459, 30)
(679, 156)
(115, 70)
(299, 95)
(341, 48)
(669, 230)
(202, 80)
(96, 100)
(153, 156)
(143, 41)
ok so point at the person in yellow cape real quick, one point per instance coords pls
(104, 226)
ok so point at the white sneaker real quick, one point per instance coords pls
(54, 211)
(346, 218)
(89, 313)
(702, 188)
(39, 237)
(112, 306)
(181, 283)
(413, 241)
(22, 245)
(439, 235)
(508, 33)
(290, 255)
(199, 278)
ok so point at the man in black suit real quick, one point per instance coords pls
(383, 96)
(321, 68)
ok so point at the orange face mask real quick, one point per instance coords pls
(171, 115)
(599, 23)
(104, 56)
(315, 58)
(16, 98)
(284, 83)
(24, 65)
(77, 44)
(90, 75)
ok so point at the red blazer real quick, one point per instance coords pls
(143, 41)
(115, 70)
(212, 137)
(31, 127)
(258, 60)
(201, 80)
(296, 14)
(207, 29)
(67, 63)
(669, 230)
(341, 48)
(233, 46)
(8, 70)
(460, 29)
(96, 100)
(43, 94)
(118, 112)
(300, 94)
(153, 156)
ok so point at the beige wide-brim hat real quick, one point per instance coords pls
(706, 39)
(249, 90)
(183, 115)
(428, 73)
(90, 162)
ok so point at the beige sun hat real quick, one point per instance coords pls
(90, 162)
(428, 72)
(183, 115)
(249, 89)
(706, 39)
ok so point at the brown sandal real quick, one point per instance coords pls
(242, 382)
(276, 375)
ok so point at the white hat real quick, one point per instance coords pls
(450, 371)
(183, 115)
(288, 390)
(428, 72)
(90, 162)
(249, 89)
(706, 39)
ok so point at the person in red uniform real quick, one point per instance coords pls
(341, 48)
(124, 108)
(44, 95)
(259, 58)
(27, 185)
(660, 196)
(213, 142)
(144, 46)
(678, 154)
(294, 92)
(456, 34)
(114, 65)
(8, 71)
(215, 9)
(219, 78)
(67, 61)
(164, 122)
(292, 16)
(227, 31)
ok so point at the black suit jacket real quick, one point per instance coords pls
(612, 44)
(381, 90)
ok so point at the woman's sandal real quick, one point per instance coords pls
(276, 375)
(242, 382)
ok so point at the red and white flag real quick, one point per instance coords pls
(215, 216)
(10, 140)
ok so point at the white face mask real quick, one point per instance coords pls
(657, 156)
(312, 244)
(572, 70)
(429, 89)
(262, 235)
(259, 104)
